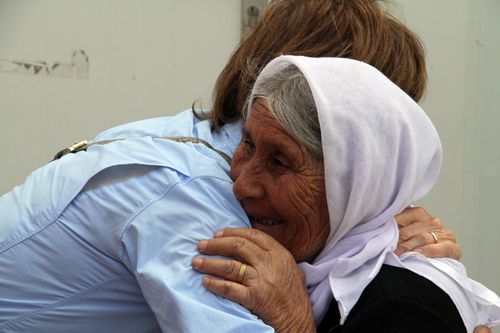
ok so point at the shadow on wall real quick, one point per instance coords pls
(77, 68)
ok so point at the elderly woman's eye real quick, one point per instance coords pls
(250, 147)
(282, 163)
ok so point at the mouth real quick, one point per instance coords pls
(263, 221)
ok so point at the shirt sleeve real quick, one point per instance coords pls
(159, 245)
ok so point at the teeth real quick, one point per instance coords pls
(266, 221)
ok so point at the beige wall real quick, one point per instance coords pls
(146, 59)
(463, 99)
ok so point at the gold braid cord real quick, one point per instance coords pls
(83, 145)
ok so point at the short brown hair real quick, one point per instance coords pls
(356, 29)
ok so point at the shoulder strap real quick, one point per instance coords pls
(83, 145)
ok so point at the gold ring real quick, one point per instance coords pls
(241, 273)
(434, 236)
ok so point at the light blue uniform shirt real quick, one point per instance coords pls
(102, 240)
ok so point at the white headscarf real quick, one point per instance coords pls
(381, 153)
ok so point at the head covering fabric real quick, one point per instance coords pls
(381, 154)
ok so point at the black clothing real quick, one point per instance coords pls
(397, 300)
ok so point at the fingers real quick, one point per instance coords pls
(415, 242)
(228, 269)
(415, 227)
(256, 236)
(261, 278)
(420, 239)
(482, 329)
(412, 214)
(425, 243)
(237, 247)
(418, 227)
(447, 249)
(229, 290)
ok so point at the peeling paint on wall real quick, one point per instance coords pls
(77, 68)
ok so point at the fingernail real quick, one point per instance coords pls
(197, 262)
(202, 245)
(206, 281)
(219, 234)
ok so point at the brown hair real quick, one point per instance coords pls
(356, 29)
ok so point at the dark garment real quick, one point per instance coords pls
(397, 300)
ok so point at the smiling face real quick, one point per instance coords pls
(281, 185)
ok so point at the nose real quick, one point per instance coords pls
(248, 184)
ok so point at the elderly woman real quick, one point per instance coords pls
(332, 150)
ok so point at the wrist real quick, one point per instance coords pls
(301, 321)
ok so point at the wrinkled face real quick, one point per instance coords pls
(281, 186)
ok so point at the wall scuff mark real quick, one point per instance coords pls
(77, 68)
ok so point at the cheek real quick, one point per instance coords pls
(308, 222)
(236, 163)
(302, 197)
